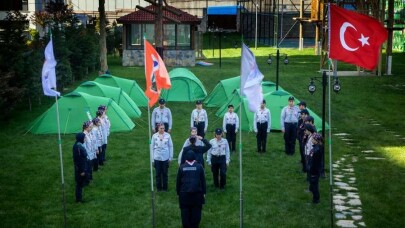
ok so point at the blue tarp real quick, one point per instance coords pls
(223, 10)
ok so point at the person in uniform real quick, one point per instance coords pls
(90, 146)
(315, 166)
(218, 157)
(302, 105)
(198, 150)
(300, 136)
(103, 128)
(230, 125)
(199, 119)
(193, 131)
(191, 189)
(79, 160)
(98, 136)
(288, 122)
(161, 148)
(162, 115)
(106, 126)
(262, 126)
(309, 131)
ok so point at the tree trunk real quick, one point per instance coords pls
(103, 42)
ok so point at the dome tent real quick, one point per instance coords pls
(115, 93)
(185, 87)
(74, 109)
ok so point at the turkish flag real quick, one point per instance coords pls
(155, 73)
(355, 38)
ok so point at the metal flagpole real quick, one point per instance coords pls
(61, 163)
(151, 170)
(240, 164)
(330, 154)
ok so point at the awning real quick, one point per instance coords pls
(223, 10)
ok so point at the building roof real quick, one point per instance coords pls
(141, 16)
(223, 10)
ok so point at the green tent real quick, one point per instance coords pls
(223, 91)
(185, 86)
(115, 93)
(131, 87)
(275, 102)
(74, 109)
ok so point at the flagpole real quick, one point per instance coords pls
(240, 165)
(61, 164)
(330, 153)
(151, 171)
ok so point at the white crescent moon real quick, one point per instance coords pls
(342, 36)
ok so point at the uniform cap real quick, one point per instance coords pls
(309, 118)
(264, 101)
(102, 107)
(291, 98)
(304, 111)
(302, 103)
(96, 121)
(310, 128)
(198, 102)
(87, 124)
(99, 113)
(162, 101)
(218, 131)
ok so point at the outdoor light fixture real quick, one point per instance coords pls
(286, 60)
(269, 61)
(336, 85)
(311, 86)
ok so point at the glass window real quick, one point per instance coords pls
(135, 37)
(149, 31)
(169, 35)
(183, 36)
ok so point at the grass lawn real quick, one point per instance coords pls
(273, 186)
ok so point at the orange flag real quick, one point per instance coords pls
(156, 74)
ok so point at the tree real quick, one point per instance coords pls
(103, 37)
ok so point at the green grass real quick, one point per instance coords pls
(273, 187)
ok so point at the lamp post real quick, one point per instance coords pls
(270, 61)
(312, 89)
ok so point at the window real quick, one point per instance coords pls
(136, 33)
(183, 36)
(169, 36)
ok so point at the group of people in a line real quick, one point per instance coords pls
(298, 125)
(89, 149)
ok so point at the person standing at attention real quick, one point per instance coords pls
(262, 126)
(191, 189)
(79, 160)
(218, 157)
(161, 151)
(199, 119)
(162, 115)
(230, 125)
(288, 122)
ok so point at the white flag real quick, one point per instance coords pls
(48, 72)
(251, 79)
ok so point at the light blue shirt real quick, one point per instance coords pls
(161, 147)
(219, 148)
(289, 115)
(161, 115)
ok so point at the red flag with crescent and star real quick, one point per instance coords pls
(156, 74)
(355, 38)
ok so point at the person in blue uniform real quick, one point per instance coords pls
(79, 160)
(161, 152)
(198, 150)
(191, 189)
(288, 122)
(218, 157)
(300, 136)
(199, 119)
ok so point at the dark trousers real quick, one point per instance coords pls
(200, 128)
(261, 136)
(89, 169)
(101, 157)
(80, 183)
(290, 136)
(95, 164)
(166, 127)
(302, 153)
(191, 216)
(218, 168)
(314, 188)
(231, 136)
(162, 168)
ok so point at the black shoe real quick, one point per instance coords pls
(315, 201)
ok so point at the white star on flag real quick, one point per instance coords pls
(364, 40)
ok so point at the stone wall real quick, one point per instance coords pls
(170, 57)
